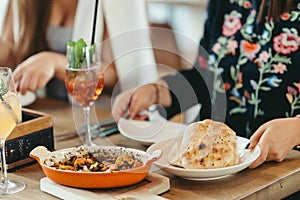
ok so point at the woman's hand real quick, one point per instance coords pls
(132, 103)
(36, 71)
(120, 106)
(276, 139)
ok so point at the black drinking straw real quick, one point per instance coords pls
(95, 21)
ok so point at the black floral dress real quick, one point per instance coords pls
(253, 67)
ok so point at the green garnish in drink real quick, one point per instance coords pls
(3, 89)
(77, 54)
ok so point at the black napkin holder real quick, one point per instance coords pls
(35, 129)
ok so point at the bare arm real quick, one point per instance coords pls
(276, 139)
(36, 71)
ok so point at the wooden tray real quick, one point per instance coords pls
(36, 129)
(149, 188)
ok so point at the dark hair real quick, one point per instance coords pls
(276, 8)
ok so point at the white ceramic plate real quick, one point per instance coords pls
(247, 157)
(149, 132)
(27, 98)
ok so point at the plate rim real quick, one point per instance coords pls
(30, 98)
(188, 173)
(149, 140)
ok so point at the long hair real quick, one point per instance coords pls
(276, 8)
(33, 17)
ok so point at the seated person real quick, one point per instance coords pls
(251, 80)
(37, 53)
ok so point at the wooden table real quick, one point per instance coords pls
(269, 181)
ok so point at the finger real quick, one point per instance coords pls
(32, 86)
(136, 112)
(254, 139)
(264, 146)
(120, 106)
(120, 110)
(133, 106)
(17, 74)
(41, 82)
(262, 158)
(17, 83)
(117, 114)
(23, 84)
(256, 163)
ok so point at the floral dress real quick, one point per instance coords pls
(255, 66)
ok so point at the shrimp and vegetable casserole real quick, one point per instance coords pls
(95, 160)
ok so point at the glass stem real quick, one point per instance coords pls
(3, 163)
(88, 140)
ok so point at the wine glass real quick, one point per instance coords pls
(10, 115)
(84, 80)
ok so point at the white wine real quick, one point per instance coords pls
(10, 114)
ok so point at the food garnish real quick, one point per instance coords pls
(77, 53)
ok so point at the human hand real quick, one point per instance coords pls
(129, 103)
(133, 103)
(141, 99)
(276, 139)
(36, 71)
(120, 105)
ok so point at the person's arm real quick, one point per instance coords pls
(276, 139)
(188, 88)
(184, 89)
(175, 93)
(36, 71)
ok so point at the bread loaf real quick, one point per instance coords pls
(205, 144)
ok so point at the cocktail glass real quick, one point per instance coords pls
(85, 81)
(10, 115)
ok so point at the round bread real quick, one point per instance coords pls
(205, 144)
